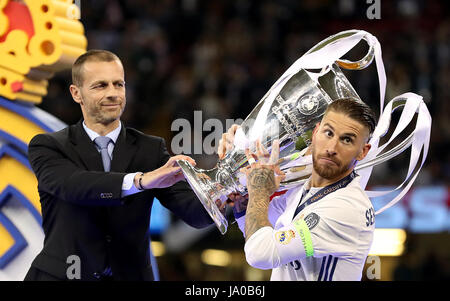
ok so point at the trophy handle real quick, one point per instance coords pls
(347, 64)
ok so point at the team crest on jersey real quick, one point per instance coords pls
(284, 237)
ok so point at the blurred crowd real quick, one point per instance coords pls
(419, 263)
(221, 57)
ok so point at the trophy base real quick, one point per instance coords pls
(207, 190)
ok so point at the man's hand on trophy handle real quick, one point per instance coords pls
(165, 176)
(262, 153)
(259, 178)
(226, 144)
(270, 159)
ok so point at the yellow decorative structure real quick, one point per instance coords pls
(48, 39)
(37, 39)
(7, 240)
(19, 127)
(22, 179)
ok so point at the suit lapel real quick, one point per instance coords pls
(85, 148)
(124, 151)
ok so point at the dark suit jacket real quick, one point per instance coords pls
(82, 209)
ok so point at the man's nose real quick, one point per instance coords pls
(112, 93)
(331, 146)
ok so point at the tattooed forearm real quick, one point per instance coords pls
(257, 215)
(261, 185)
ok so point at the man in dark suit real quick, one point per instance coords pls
(97, 180)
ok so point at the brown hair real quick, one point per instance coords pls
(356, 110)
(89, 56)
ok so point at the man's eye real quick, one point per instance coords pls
(328, 133)
(347, 140)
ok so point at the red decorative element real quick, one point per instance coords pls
(277, 194)
(16, 87)
(19, 18)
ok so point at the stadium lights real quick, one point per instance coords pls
(158, 248)
(388, 242)
(216, 257)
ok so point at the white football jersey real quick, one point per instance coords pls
(328, 240)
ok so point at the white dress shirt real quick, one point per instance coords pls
(128, 186)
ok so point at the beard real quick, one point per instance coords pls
(103, 115)
(107, 117)
(329, 171)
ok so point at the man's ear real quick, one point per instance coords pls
(316, 128)
(364, 152)
(76, 93)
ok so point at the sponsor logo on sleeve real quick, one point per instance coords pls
(312, 220)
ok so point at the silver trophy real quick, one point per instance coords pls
(290, 117)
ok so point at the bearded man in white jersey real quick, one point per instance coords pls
(320, 231)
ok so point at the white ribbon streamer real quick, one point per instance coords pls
(420, 141)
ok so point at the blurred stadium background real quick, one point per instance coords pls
(220, 57)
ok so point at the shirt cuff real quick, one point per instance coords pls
(128, 187)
